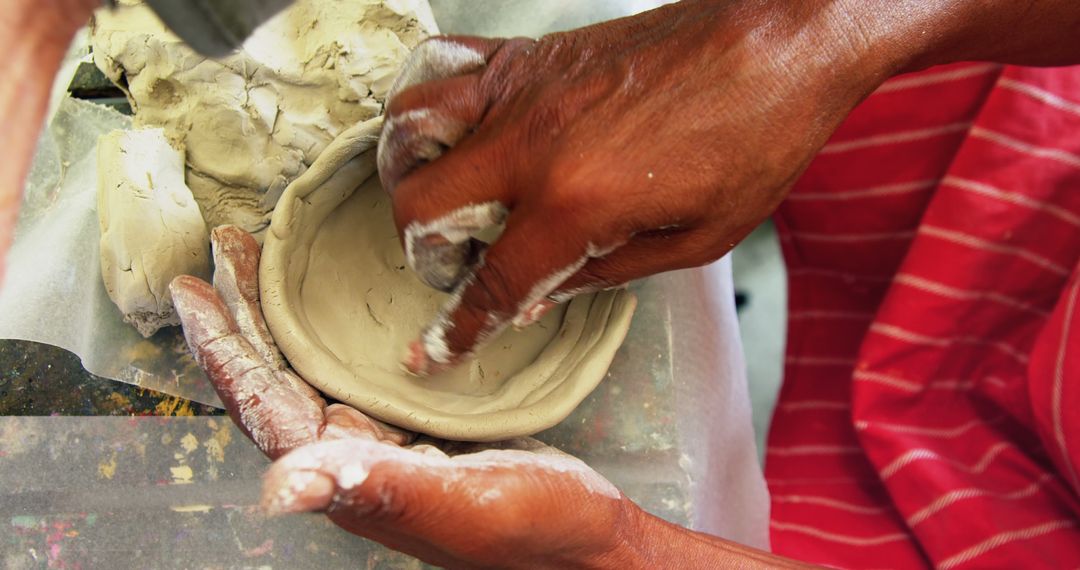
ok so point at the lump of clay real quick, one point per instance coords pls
(151, 228)
(254, 121)
(342, 305)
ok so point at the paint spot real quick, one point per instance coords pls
(215, 446)
(144, 350)
(191, 508)
(173, 406)
(106, 469)
(119, 400)
(181, 474)
(24, 521)
(260, 550)
(189, 442)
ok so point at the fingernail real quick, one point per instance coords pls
(534, 313)
(297, 492)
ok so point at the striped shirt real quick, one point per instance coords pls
(930, 412)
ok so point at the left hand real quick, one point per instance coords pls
(518, 503)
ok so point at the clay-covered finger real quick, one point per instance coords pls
(236, 279)
(442, 57)
(264, 402)
(441, 208)
(526, 264)
(647, 254)
(424, 121)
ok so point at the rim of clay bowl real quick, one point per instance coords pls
(346, 165)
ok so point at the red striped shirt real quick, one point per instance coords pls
(929, 410)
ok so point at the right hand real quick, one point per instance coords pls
(612, 152)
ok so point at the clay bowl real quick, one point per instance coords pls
(342, 305)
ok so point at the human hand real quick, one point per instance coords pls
(34, 35)
(611, 153)
(513, 504)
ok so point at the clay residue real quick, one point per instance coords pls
(254, 121)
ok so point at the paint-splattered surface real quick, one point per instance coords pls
(153, 491)
(43, 380)
(147, 492)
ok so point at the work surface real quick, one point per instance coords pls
(162, 487)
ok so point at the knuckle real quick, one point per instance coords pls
(508, 66)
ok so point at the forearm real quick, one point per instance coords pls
(33, 38)
(922, 33)
(647, 541)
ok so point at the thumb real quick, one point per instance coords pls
(388, 484)
(467, 510)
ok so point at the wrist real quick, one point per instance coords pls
(632, 539)
(644, 541)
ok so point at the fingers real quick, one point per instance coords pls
(227, 334)
(433, 102)
(436, 101)
(263, 401)
(472, 510)
(443, 251)
(519, 270)
(442, 57)
(236, 279)
(424, 121)
(646, 254)
(314, 477)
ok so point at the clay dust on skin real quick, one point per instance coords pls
(456, 228)
(244, 313)
(531, 308)
(433, 59)
(542, 299)
(230, 349)
(433, 345)
(293, 482)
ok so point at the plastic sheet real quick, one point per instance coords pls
(53, 291)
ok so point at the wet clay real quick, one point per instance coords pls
(255, 120)
(343, 305)
(151, 228)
